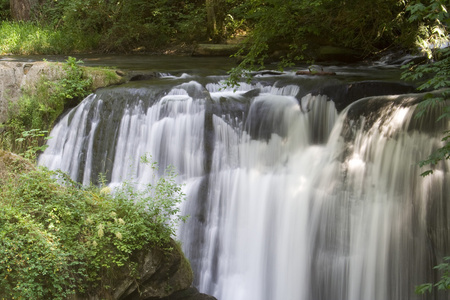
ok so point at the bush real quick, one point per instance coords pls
(58, 238)
(122, 26)
(5, 13)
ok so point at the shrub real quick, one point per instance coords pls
(58, 238)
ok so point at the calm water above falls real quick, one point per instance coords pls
(289, 198)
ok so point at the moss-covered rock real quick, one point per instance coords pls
(103, 77)
(15, 77)
(161, 273)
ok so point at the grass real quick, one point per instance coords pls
(26, 38)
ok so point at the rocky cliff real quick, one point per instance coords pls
(18, 76)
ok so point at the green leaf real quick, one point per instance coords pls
(424, 288)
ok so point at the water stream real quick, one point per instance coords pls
(289, 197)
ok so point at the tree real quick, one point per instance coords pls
(21, 10)
(5, 11)
(433, 21)
(219, 18)
(299, 27)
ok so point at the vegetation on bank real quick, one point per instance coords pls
(58, 239)
(27, 38)
(31, 118)
(294, 28)
(280, 30)
(61, 86)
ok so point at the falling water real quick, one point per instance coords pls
(288, 200)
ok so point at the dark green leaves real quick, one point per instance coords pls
(443, 284)
(57, 238)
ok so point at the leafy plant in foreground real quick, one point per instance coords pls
(443, 284)
(434, 74)
(57, 238)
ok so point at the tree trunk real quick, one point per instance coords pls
(211, 19)
(21, 9)
(215, 12)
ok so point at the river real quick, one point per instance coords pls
(295, 188)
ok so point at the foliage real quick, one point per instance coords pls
(30, 38)
(126, 25)
(29, 142)
(443, 284)
(58, 238)
(73, 86)
(297, 28)
(433, 75)
(122, 26)
(35, 112)
(5, 13)
(434, 20)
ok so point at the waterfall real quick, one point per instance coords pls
(289, 199)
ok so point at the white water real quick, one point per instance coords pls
(282, 218)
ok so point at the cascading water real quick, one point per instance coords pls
(288, 200)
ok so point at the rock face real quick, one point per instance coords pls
(344, 95)
(160, 275)
(16, 76)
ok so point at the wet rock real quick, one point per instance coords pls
(267, 72)
(345, 94)
(162, 275)
(146, 76)
(318, 73)
(189, 294)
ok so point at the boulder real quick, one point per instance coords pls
(17, 76)
(162, 275)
